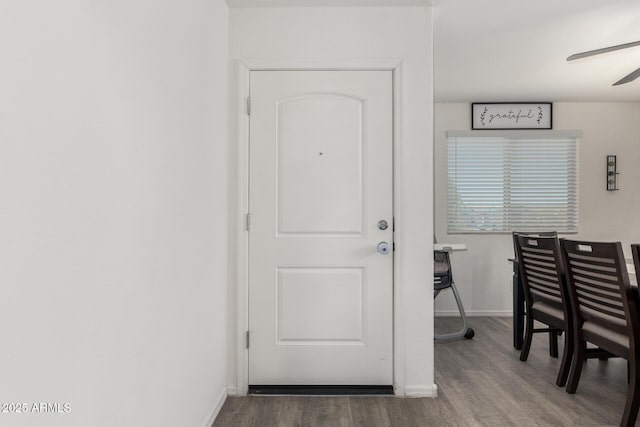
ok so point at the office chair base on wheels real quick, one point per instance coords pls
(443, 279)
(466, 331)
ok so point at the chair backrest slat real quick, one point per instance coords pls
(515, 235)
(595, 286)
(543, 282)
(600, 305)
(546, 290)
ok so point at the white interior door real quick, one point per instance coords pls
(320, 291)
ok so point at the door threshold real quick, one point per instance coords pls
(322, 390)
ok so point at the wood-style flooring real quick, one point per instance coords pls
(481, 382)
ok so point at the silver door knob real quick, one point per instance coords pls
(384, 248)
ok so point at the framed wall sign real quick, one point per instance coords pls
(511, 115)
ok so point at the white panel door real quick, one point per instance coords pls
(320, 292)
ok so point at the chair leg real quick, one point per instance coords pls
(633, 397)
(567, 354)
(579, 354)
(462, 333)
(528, 336)
(553, 343)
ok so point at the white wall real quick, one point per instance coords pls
(482, 274)
(346, 34)
(113, 206)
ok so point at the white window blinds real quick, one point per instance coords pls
(512, 182)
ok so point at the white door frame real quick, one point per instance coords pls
(242, 236)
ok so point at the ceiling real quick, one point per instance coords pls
(516, 50)
(328, 3)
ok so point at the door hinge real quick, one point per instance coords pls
(247, 339)
(248, 222)
(248, 105)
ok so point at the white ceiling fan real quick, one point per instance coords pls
(626, 79)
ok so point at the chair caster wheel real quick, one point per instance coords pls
(469, 334)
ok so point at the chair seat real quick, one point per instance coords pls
(440, 285)
(550, 314)
(546, 298)
(605, 337)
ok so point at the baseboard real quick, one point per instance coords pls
(320, 390)
(216, 410)
(232, 390)
(421, 391)
(475, 313)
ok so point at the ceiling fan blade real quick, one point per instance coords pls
(628, 78)
(603, 50)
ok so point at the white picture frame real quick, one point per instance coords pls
(511, 115)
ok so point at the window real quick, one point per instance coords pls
(508, 181)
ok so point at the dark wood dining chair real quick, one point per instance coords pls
(605, 311)
(635, 252)
(519, 305)
(547, 300)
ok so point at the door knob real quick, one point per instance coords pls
(384, 248)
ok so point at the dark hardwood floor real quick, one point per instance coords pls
(481, 382)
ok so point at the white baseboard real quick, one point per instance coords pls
(232, 390)
(216, 410)
(398, 391)
(475, 313)
(421, 391)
